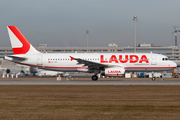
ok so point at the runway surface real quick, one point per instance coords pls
(87, 82)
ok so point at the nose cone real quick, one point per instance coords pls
(173, 64)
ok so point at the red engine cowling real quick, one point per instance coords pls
(114, 71)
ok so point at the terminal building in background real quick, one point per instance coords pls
(173, 53)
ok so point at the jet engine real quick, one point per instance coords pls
(114, 71)
(33, 70)
(8, 71)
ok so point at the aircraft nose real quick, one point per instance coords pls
(173, 64)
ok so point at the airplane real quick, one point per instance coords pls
(106, 64)
(41, 72)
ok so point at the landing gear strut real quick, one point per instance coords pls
(94, 77)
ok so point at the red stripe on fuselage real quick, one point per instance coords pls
(66, 67)
(29, 64)
(52, 66)
(150, 67)
(127, 68)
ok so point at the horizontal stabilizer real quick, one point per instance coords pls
(15, 58)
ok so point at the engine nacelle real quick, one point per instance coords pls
(33, 69)
(114, 71)
(8, 71)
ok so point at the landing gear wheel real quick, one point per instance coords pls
(153, 78)
(94, 77)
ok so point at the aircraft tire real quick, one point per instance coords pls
(94, 77)
(153, 78)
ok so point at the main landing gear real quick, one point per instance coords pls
(94, 77)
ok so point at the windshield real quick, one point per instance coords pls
(165, 59)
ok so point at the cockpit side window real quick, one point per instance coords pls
(165, 59)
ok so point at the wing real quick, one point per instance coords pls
(91, 64)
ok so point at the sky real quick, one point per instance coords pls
(63, 23)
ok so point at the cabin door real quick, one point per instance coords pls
(39, 59)
(153, 60)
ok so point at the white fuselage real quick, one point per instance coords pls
(130, 61)
(107, 64)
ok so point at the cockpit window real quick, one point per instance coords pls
(165, 59)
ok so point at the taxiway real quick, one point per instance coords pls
(88, 82)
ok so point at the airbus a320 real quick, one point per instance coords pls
(106, 64)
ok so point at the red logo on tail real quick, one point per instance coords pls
(26, 45)
(72, 58)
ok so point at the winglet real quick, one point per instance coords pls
(72, 58)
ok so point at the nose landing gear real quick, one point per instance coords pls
(94, 77)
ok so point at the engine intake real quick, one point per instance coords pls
(8, 71)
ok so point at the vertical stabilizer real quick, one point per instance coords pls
(20, 45)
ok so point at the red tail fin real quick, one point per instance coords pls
(19, 43)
